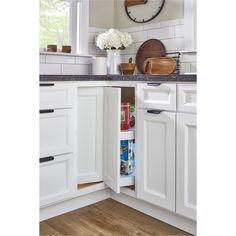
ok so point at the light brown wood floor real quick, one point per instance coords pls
(106, 218)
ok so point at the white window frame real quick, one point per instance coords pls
(78, 28)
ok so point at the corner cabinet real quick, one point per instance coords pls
(156, 158)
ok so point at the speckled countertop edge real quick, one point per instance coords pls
(171, 78)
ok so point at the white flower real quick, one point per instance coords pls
(113, 39)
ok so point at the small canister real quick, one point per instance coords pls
(99, 65)
(125, 115)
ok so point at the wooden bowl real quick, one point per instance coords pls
(51, 48)
(66, 49)
(159, 66)
(127, 68)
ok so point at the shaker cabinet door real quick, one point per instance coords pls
(89, 134)
(156, 158)
(186, 165)
(56, 132)
(111, 163)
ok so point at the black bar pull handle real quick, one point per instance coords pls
(46, 84)
(154, 84)
(157, 112)
(45, 159)
(46, 111)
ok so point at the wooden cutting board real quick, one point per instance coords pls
(159, 66)
(149, 49)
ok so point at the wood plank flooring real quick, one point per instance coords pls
(106, 218)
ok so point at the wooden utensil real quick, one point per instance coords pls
(127, 68)
(159, 66)
(149, 49)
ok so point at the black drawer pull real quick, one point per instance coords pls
(157, 112)
(45, 159)
(46, 84)
(154, 84)
(46, 111)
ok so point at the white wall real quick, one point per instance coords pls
(101, 13)
(173, 9)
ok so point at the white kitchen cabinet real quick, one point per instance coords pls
(55, 96)
(156, 157)
(157, 96)
(56, 132)
(186, 165)
(89, 135)
(187, 98)
(112, 137)
(56, 179)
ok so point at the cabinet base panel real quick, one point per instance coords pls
(157, 212)
(73, 204)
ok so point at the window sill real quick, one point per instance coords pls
(65, 54)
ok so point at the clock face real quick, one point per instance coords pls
(141, 11)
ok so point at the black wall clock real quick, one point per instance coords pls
(142, 11)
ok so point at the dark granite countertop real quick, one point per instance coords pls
(167, 78)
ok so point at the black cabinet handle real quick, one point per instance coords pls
(45, 159)
(157, 112)
(46, 84)
(46, 111)
(154, 84)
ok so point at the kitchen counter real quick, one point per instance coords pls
(169, 78)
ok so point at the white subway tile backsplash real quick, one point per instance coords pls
(162, 33)
(132, 29)
(75, 69)
(93, 29)
(83, 60)
(94, 50)
(50, 69)
(60, 59)
(129, 50)
(127, 57)
(193, 67)
(91, 37)
(179, 31)
(188, 57)
(170, 23)
(174, 44)
(139, 36)
(185, 68)
(152, 26)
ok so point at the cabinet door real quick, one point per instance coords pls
(111, 165)
(186, 165)
(56, 132)
(90, 135)
(56, 179)
(156, 158)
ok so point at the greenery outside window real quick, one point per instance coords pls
(62, 23)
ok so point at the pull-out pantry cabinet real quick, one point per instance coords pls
(99, 136)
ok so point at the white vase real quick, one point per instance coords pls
(113, 62)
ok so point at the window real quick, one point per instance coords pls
(64, 22)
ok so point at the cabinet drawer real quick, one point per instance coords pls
(55, 96)
(56, 179)
(187, 97)
(157, 96)
(55, 132)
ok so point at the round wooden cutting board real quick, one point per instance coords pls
(149, 49)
